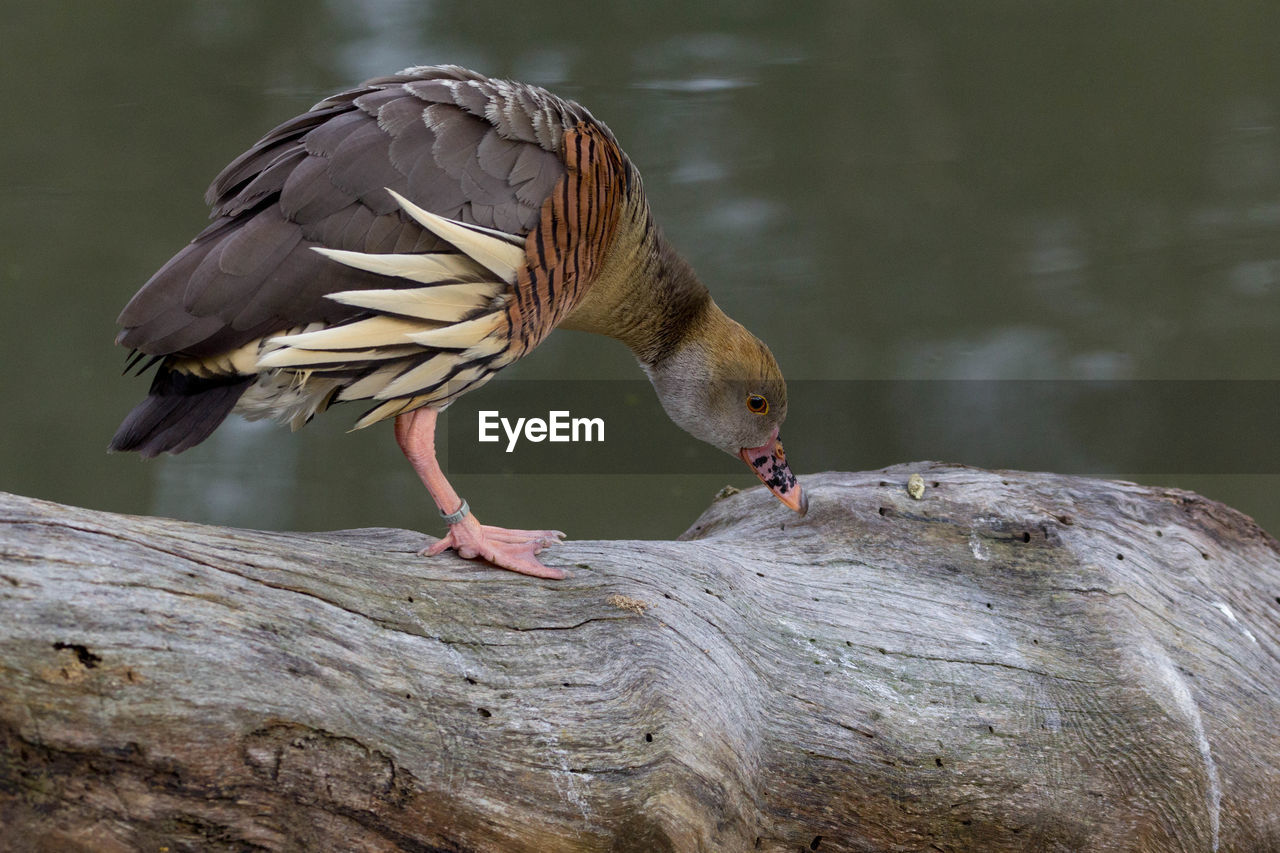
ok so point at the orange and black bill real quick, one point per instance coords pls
(769, 461)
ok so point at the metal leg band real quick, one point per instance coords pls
(455, 517)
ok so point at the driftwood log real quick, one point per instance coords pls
(1010, 661)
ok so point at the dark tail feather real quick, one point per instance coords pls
(180, 412)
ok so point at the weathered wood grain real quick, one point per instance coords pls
(1013, 662)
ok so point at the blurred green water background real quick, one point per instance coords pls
(986, 190)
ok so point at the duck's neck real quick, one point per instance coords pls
(646, 295)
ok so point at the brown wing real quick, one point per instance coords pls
(453, 142)
(249, 296)
(428, 345)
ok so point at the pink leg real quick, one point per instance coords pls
(508, 549)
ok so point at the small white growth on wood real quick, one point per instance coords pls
(915, 486)
(1164, 669)
(1231, 617)
(975, 545)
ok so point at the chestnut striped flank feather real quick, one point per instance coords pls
(578, 224)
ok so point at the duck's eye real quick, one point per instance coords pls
(757, 404)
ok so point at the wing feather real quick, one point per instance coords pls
(428, 268)
(363, 334)
(445, 303)
(457, 135)
(344, 359)
(397, 118)
(425, 377)
(231, 273)
(432, 91)
(360, 168)
(462, 335)
(484, 245)
(369, 384)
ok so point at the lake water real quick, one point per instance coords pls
(985, 191)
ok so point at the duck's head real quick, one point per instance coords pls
(721, 384)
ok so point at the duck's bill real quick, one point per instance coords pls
(769, 461)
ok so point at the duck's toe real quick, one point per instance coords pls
(514, 550)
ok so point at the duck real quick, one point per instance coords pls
(402, 242)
